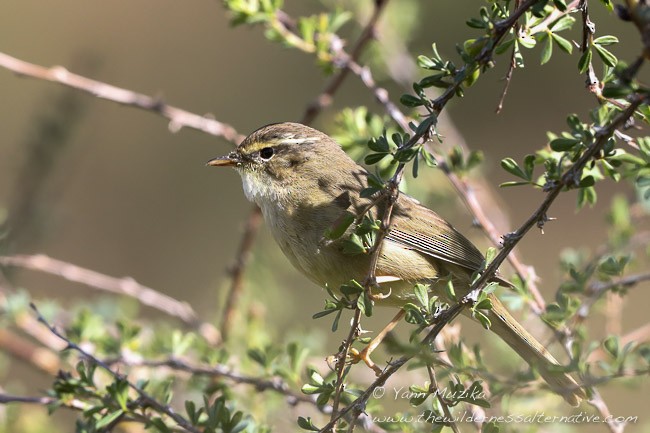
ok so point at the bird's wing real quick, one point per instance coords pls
(448, 246)
(424, 231)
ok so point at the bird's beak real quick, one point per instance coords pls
(230, 160)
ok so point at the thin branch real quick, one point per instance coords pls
(261, 384)
(391, 193)
(326, 96)
(595, 290)
(122, 286)
(146, 398)
(508, 78)
(178, 118)
(588, 30)
(434, 389)
(40, 357)
(569, 179)
(43, 401)
(555, 15)
(242, 258)
(465, 192)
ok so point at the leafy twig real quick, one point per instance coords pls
(146, 398)
(595, 290)
(343, 62)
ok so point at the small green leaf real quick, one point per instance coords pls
(513, 183)
(511, 166)
(527, 41)
(585, 61)
(560, 4)
(563, 144)
(606, 56)
(611, 345)
(410, 100)
(108, 419)
(564, 44)
(374, 158)
(564, 23)
(422, 294)
(547, 50)
(342, 224)
(425, 62)
(307, 424)
(364, 303)
(379, 144)
(606, 40)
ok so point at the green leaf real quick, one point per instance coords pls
(422, 294)
(527, 41)
(586, 196)
(353, 246)
(511, 166)
(410, 100)
(342, 224)
(560, 4)
(547, 50)
(606, 56)
(606, 40)
(513, 183)
(425, 62)
(491, 427)
(374, 158)
(585, 61)
(108, 419)
(611, 345)
(379, 144)
(364, 303)
(307, 424)
(564, 44)
(563, 144)
(564, 23)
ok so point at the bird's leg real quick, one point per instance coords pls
(364, 355)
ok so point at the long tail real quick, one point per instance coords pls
(532, 351)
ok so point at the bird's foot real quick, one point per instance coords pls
(364, 355)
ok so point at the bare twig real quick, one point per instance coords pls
(237, 270)
(588, 30)
(40, 357)
(508, 78)
(121, 286)
(178, 118)
(43, 401)
(146, 398)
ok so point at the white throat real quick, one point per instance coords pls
(260, 191)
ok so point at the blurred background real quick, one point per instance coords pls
(110, 188)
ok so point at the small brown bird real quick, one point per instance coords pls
(304, 182)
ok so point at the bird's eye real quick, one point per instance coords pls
(266, 153)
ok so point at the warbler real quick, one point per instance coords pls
(304, 183)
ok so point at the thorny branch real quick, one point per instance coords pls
(178, 118)
(146, 398)
(237, 270)
(568, 180)
(122, 286)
